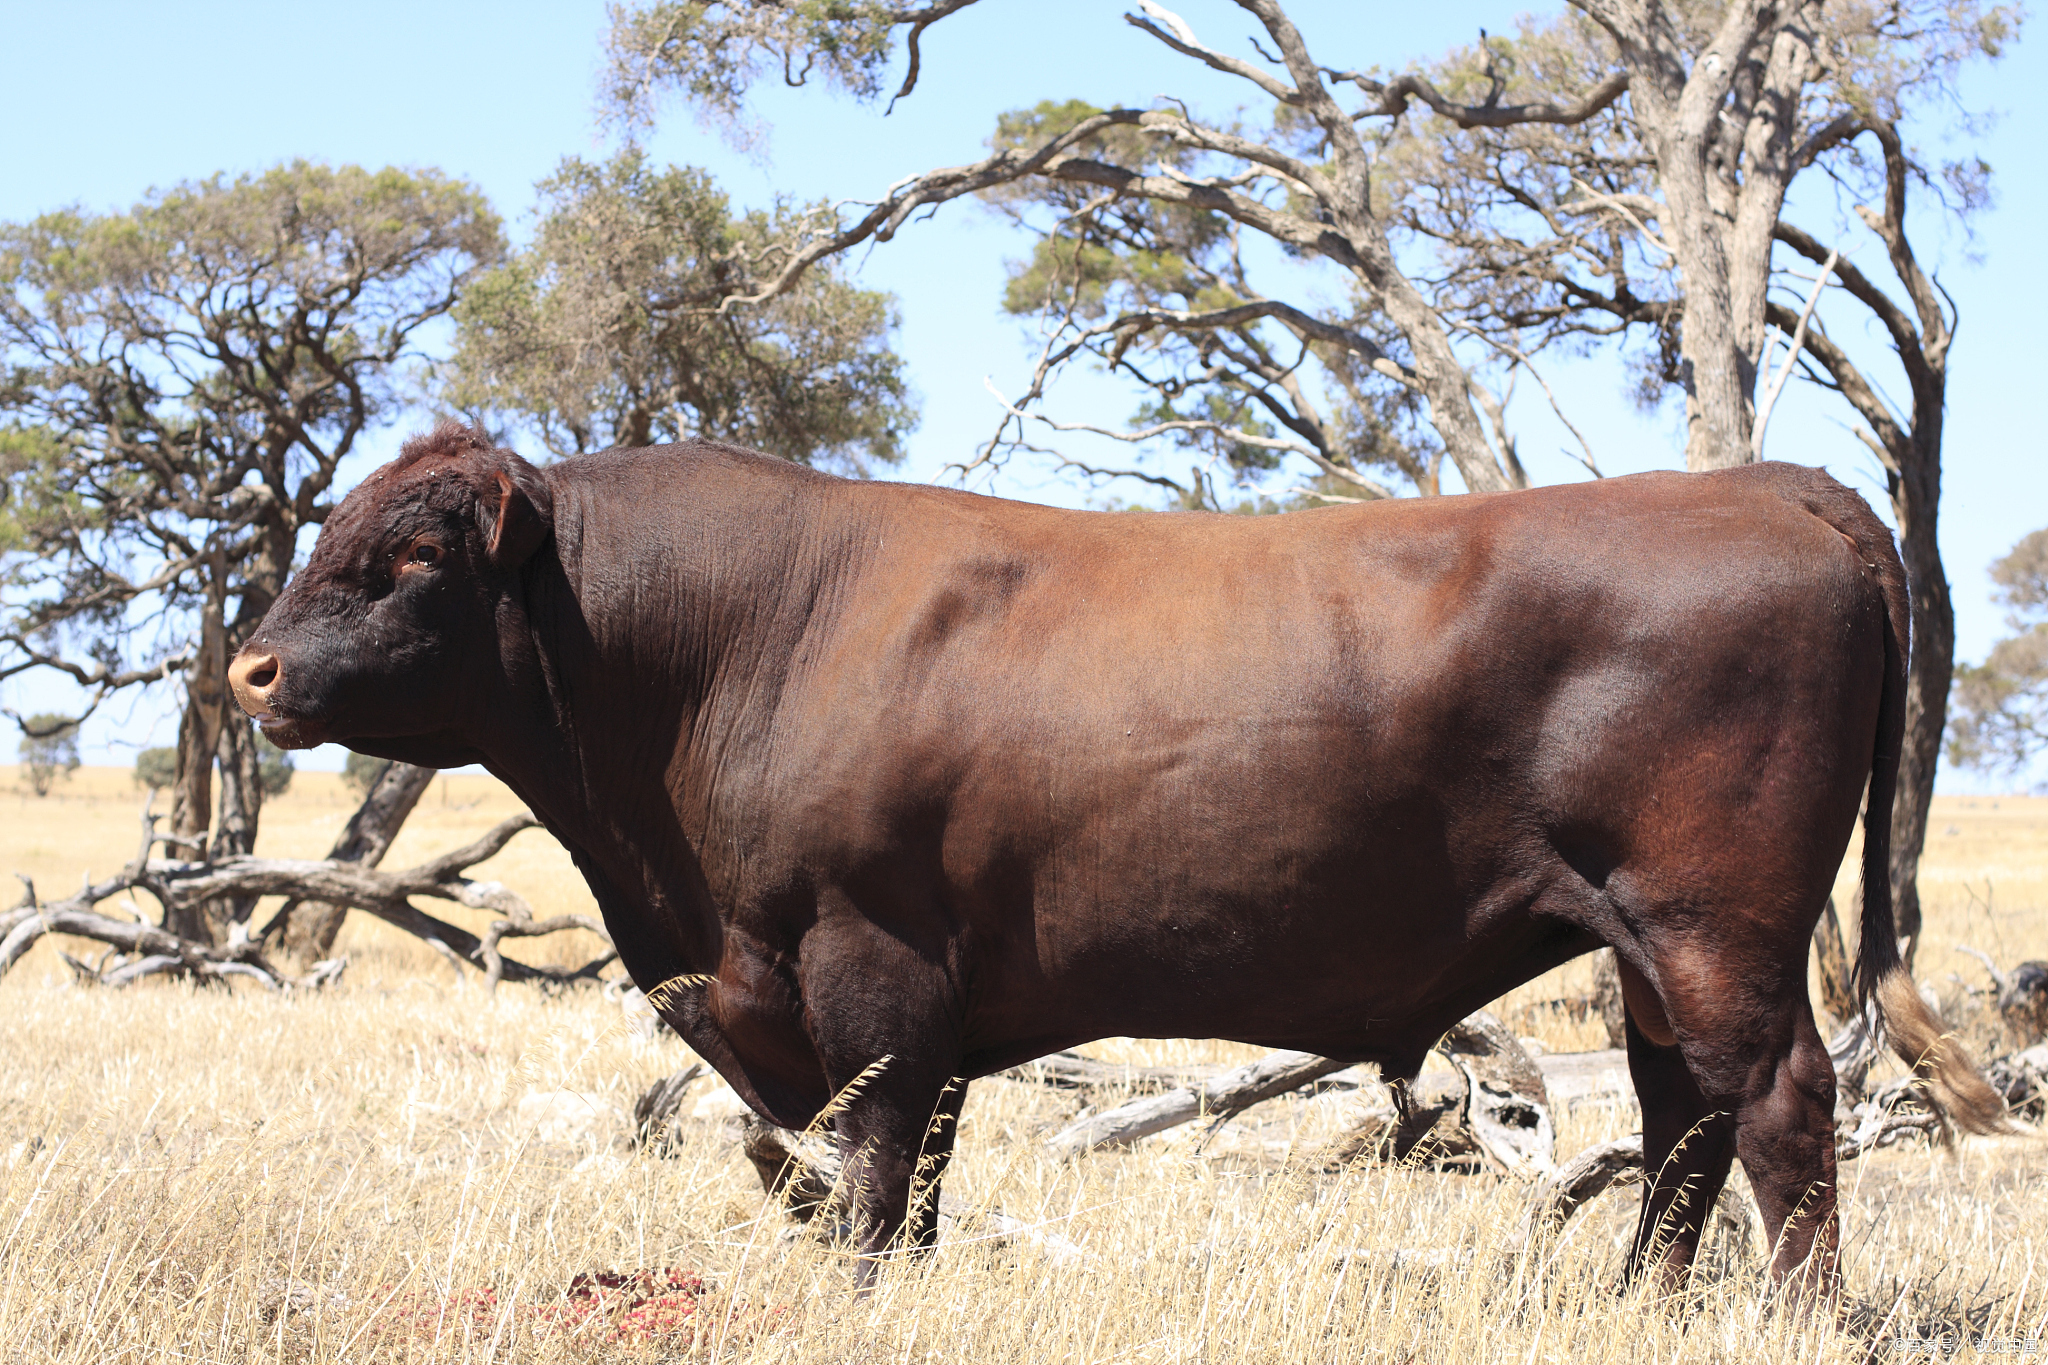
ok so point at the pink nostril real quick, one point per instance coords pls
(250, 677)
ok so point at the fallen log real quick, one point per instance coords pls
(654, 1113)
(1430, 1131)
(155, 949)
(1502, 1101)
(1429, 1121)
(1507, 1104)
(1580, 1181)
(2022, 1077)
(2024, 1001)
(1493, 1112)
(1217, 1097)
(1575, 1079)
(304, 931)
(1072, 1071)
(2021, 995)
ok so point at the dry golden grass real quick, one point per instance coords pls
(403, 1170)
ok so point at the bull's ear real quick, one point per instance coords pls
(519, 519)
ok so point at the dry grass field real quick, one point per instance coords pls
(404, 1168)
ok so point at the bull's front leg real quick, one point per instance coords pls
(884, 1014)
(896, 1141)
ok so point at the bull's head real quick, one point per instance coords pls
(394, 627)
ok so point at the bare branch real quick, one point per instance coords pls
(1904, 336)
(1763, 412)
(448, 864)
(1182, 40)
(1053, 161)
(1304, 325)
(919, 21)
(1585, 457)
(1614, 202)
(1891, 438)
(1394, 96)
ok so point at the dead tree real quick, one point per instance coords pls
(303, 931)
(1497, 1108)
(178, 885)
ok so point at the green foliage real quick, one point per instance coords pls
(34, 507)
(361, 771)
(708, 54)
(49, 750)
(157, 768)
(1217, 391)
(1135, 253)
(1459, 253)
(1998, 714)
(607, 330)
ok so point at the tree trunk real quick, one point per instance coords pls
(1831, 952)
(234, 833)
(1717, 382)
(232, 742)
(1720, 122)
(199, 736)
(1916, 497)
(303, 932)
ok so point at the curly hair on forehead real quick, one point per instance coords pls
(449, 437)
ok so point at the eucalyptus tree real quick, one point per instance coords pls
(609, 328)
(2001, 721)
(183, 381)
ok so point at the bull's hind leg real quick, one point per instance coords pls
(1785, 1134)
(1718, 1053)
(1688, 1145)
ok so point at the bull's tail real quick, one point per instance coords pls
(1910, 1027)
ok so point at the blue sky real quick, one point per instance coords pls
(105, 101)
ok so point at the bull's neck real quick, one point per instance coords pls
(666, 625)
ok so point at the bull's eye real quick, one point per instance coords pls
(426, 552)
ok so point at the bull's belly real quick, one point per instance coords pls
(1365, 977)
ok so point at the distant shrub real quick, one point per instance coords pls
(49, 749)
(156, 768)
(159, 768)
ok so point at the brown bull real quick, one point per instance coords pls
(952, 781)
